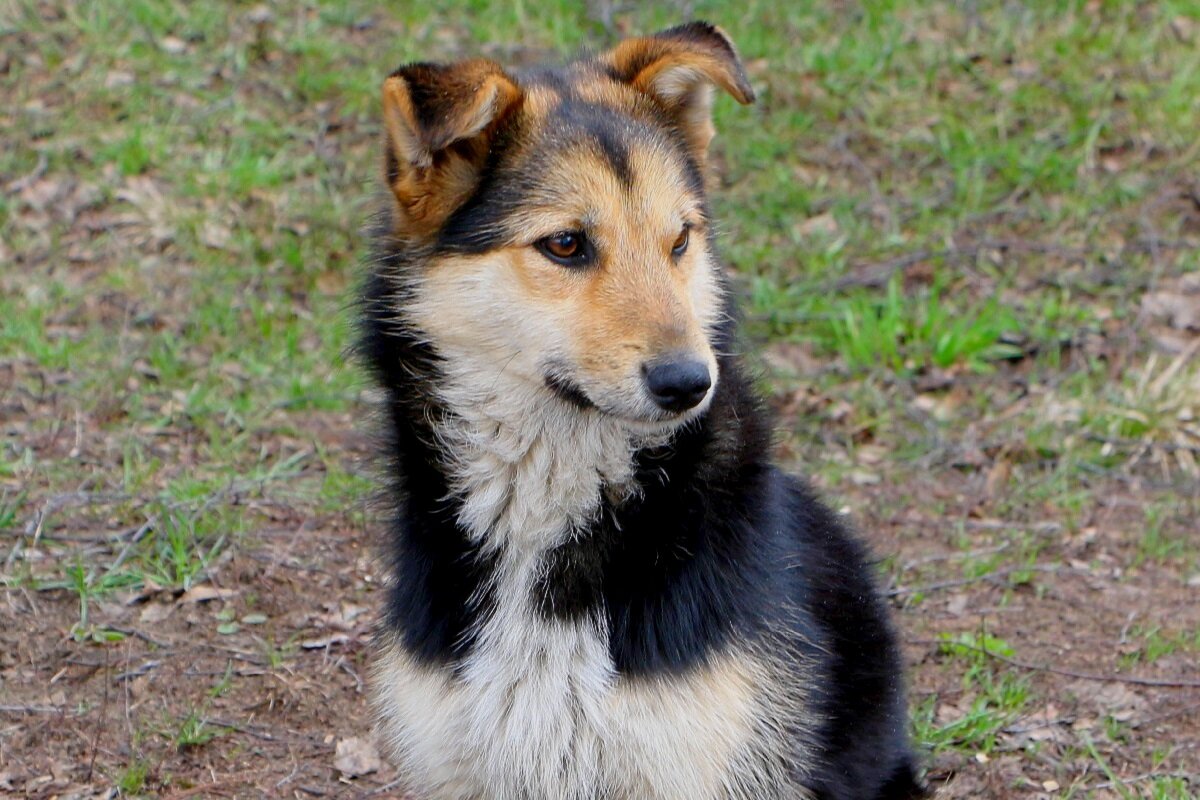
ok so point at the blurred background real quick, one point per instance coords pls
(968, 239)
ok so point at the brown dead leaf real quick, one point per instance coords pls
(941, 407)
(260, 15)
(792, 359)
(1178, 309)
(871, 454)
(1044, 725)
(1185, 28)
(204, 593)
(322, 642)
(154, 613)
(215, 235)
(41, 193)
(820, 225)
(117, 78)
(356, 756)
(862, 477)
(1113, 699)
(957, 604)
(997, 478)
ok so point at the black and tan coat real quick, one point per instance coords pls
(601, 587)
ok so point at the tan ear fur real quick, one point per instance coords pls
(678, 68)
(438, 119)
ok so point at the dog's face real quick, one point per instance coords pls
(566, 219)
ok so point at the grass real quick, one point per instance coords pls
(950, 211)
(194, 731)
(997, 698)
(132, 779)
(1152, 643)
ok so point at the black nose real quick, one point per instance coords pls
(677, 384)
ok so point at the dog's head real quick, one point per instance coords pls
(564, 214)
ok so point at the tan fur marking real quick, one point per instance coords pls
(438, 151)
(679, 70)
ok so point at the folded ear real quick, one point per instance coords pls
(439, 120)
(678, 68)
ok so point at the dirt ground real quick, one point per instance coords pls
(188, 541)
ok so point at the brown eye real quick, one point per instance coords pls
(563, 245)
(569, 248)
(681, 242)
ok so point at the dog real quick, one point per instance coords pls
(601, 588)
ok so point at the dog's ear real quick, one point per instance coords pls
(679, 68)
(439, 120)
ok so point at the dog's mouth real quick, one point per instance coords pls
(570, 392)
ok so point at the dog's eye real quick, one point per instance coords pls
(569, 248)
(681, 243)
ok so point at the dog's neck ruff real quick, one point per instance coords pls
(527, 468)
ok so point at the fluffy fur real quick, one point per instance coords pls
(594, 598)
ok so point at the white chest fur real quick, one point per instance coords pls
(537, 710)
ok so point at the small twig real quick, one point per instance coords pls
(258, 732)
(873, 275)
(100, 720)
(138, 534)
(137, 673)
(349, 670)
(900, 591)
(877, 274)
(33, 530)
(32, 709)
(237, 673)
(239, 728)
(1190, 777)
(1126, 444)
(240, 655)
(1176, 712)
(145, 637)
(387, 787)
(1168, 683)
(291, 776)
(218, 787)
(31, 177)
(908, 566)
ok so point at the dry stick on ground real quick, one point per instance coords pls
(100, 720)
(33, 530)
(34, 709)
(222, 787)
(1131, 443)
(1168, 683)
(899, 591)
(912, 564)
(877, 274)
(1190, 777)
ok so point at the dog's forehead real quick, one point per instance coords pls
(579, 119)
(580, 144)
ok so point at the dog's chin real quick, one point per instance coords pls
(641, 416)
(649, 419)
